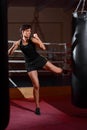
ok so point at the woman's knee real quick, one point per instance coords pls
(36, 86)
(59, 70)
(53, 68)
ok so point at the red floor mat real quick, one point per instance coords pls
(56, 114)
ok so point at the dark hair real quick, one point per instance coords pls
(24, 27)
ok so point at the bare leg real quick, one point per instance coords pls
(53, 68)
(34, 78)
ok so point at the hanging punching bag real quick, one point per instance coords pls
(4, 87)
(79, 57)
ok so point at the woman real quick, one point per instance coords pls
(34, 61)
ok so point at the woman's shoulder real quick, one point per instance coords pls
(17, 42)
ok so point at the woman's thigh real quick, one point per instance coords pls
(52, 67)
(34, 77)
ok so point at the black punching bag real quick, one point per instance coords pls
(79, 58)
(4, 89)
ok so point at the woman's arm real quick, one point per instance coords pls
(13, 48)
(37, 41)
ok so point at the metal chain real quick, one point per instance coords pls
(83, 5)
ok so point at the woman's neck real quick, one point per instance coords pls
(25, 39)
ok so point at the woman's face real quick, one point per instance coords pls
(26, 33)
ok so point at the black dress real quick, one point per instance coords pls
(33, 60)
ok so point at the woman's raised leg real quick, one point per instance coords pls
(51, 67)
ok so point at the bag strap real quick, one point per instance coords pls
(83, 5)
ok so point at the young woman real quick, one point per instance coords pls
(33, 60)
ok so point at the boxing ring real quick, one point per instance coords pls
(57, 53)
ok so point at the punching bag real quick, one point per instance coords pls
(4, 87)
(79, 57)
